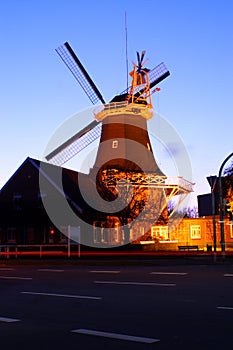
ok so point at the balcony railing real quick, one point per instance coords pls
(112, 108)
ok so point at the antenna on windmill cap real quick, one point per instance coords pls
(126, 51)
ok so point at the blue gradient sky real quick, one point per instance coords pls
(38, 93)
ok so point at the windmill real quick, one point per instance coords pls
(124, 154)
(82, 138)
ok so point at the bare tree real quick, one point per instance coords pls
(228, 188)
(189, 212)
(229, 170)
(141, 206)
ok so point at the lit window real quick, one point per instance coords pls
(148, 146)
(115, 144)
(97, 232)
(231, 231)
(195, 231)
(159, 232)
(116, 228)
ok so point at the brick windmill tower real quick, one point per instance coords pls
(127, 177)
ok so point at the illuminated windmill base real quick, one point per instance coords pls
(147, 205)
(125, 169)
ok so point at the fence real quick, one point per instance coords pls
(16, 250)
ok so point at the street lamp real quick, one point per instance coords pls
(221, 209)
(212, 181)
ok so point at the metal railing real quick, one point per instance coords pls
(102, 111)
(120, 178)
(16, 250)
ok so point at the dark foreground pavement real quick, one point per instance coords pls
(133, 303)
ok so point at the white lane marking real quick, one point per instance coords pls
(169, 273)
(63, 295)
(228, 275)
(138, 283)
(116, 336)
(105, 271)
(50, 270)
(6, 268)
(225, 307)
(7, 319)
(15, 278)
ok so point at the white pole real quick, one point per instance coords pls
(79, 245)
(68, 241)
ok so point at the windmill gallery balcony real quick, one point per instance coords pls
(171, 184)
(103, 111)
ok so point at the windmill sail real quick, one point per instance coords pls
(79, 72)
(75, 144)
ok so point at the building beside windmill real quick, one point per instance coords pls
(24, 219)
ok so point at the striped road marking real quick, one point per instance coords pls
(63, 295)
(116, 336)
(15, 278)
(225, 307)
(50, 270)
(169, 273)
(137, 283)
(104, 271)
(228, 275)
(6, 319)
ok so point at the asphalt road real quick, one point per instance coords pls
(116, 307)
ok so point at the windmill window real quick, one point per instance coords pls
(148, 146)
(115, 144)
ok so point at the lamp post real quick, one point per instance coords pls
(221, 209)
(212, 181)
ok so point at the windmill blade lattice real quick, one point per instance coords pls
(79, 72)
(74, 145)
(158, 74)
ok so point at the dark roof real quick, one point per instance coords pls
(51, 173)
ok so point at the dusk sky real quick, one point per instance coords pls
(38, 93)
